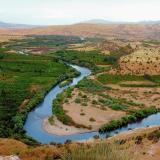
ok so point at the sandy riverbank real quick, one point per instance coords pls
(60, 129)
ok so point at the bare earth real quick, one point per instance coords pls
(101, 116)
(149, 96)
(60, 129)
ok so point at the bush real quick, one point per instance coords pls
(51, 120)
(90, 86)
(94, 102)
(82, 114)
(92, 119)
(108, 78)
(114, 57)
(113, 103)
(77, 100)
(135, 115)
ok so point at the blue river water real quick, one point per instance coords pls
(33, 124)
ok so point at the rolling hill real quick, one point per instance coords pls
(120, 31)
(12, 25)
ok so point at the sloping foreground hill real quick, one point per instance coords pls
(123, 31)
(138, 144)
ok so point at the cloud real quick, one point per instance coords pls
(55, 14)
(70, 11)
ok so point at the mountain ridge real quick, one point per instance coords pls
(103, 21)
(114, 31)
(91, 21)
(15, 25)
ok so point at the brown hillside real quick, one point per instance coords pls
(123, 31)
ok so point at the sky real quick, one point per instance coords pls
(58, 12)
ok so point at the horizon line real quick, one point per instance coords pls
(82, 22)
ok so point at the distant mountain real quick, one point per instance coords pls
(116, 31)
(150, 22)
(97, 21)
(13, 25)
(102, 21)
(92, 21)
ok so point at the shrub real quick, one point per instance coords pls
(84, 104)
(77, 100)
(94, 102)
(135, 115)
(51, 120)
(108, 78)
(82, 114)
(113, 103)
(92, 119)
(90, 86)
(138, 140)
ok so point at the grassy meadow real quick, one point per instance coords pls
(24, 80)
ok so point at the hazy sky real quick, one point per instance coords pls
(72, 11)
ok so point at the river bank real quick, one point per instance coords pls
(58, 128)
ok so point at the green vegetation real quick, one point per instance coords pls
(153, 78)
(44, 42)
(51, 120)
(82, 99)
(107, 78)
(92, 119)
(139, 85)
(97, 151)
(134, 116)
(58, 109)
(155, 135)
(65, 83)
(24, 81)
(77, 100)
(114, 104)
(115, 55)
(114, 79)
(60, 113)
(87, 59)
(151, 42)
(90, 86)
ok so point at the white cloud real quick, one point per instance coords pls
(70, 11)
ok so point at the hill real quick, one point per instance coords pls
(99, 21)
(120, 31)
(13, 25)
(103, 21)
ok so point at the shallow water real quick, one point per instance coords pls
(33, 124)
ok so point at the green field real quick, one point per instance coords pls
(47, 41)
(107, 78)
(25, 79)
(88, 59)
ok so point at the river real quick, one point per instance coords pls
(33, 124)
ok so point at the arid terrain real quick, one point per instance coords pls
(141, 144)
(109, 31)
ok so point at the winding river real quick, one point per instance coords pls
(33, 124)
